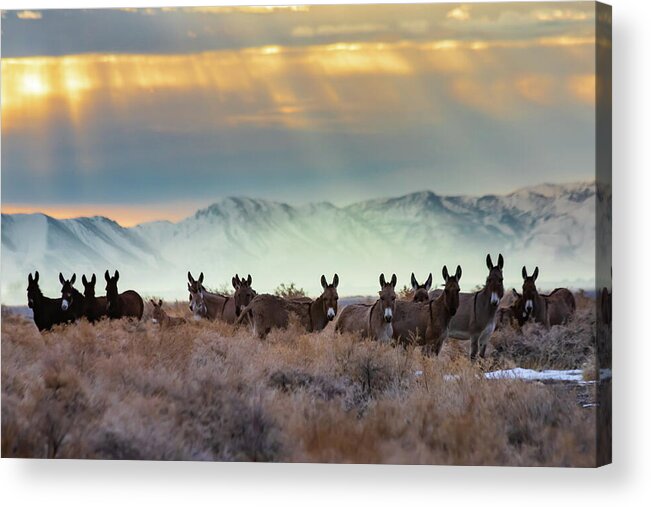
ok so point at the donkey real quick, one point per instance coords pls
(474, 320)
(267, 311)
(209, 305)
(244, 294)
(550, 310)
(127, 304)
(373, 321)
(159, 316)
(95, 306)
(426, 324)
(47, 311)
(421, 292)
(73, 305)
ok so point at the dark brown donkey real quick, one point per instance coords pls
(209, 305)
(244, 294)
(127, 304)
(426, 323)
(95, 306)
(267, 312)
(550, 310)
(47, 311)
(374, 321)
(421, 292)
(72, 301)
(475, 317)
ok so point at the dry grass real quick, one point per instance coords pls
(209, 391)
(571, 346)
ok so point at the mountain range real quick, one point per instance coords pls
(550, 225)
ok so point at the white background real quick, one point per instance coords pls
(627, 481)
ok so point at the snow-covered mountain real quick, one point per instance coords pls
(551, 226)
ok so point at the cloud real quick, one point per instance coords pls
(29, 15)
(254, 9)
(328, 30)
(583, 87)
(461, 13)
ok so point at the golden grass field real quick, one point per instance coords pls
(209, 391)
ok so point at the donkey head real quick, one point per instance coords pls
(451, 290)
(495, 279)
(111, 288)
(89, 286)
(388, 297)
(33, 290)
(244, 294)
(421, 292)
(196, 290)
(529, 291)
(329, 297)
(67, 291)
(158, 315)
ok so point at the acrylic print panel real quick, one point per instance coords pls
(346, 234)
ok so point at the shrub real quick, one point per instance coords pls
(289, 291)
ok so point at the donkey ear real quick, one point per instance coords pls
(489, 262)
(234, 282)
(524, 272)
(190, 279)
(324, 282)
(73, 279)
(152, 302)
(414, 282)
(29, 278)
(445, 273)
(84, 280)
(535, 274)
(93, 279)
(458, 273)
(394, 280)
(335, 281)
(107, 277)
(201, 277)
(383, 281)
(249, 280)
(117, 275)
(515, 293)
(500, 262)
(189, 287)
(428, 282)
(61, 279)
(36, 276)
(160, 302)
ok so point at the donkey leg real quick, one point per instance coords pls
(483, 342)
(474, 345)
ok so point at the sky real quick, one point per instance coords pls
(143, 114)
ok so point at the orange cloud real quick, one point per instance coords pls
(583, 87)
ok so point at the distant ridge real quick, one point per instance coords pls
(550, 225)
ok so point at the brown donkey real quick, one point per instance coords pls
(210, 305)
(159, 316)
(373, 321)
(72, 301)
(127, 304)
(244, 294)
(475, 317)
(267, 311)
(421, 292)
(95, 306)
(47, 311)
(553, 309)
(426, 324)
